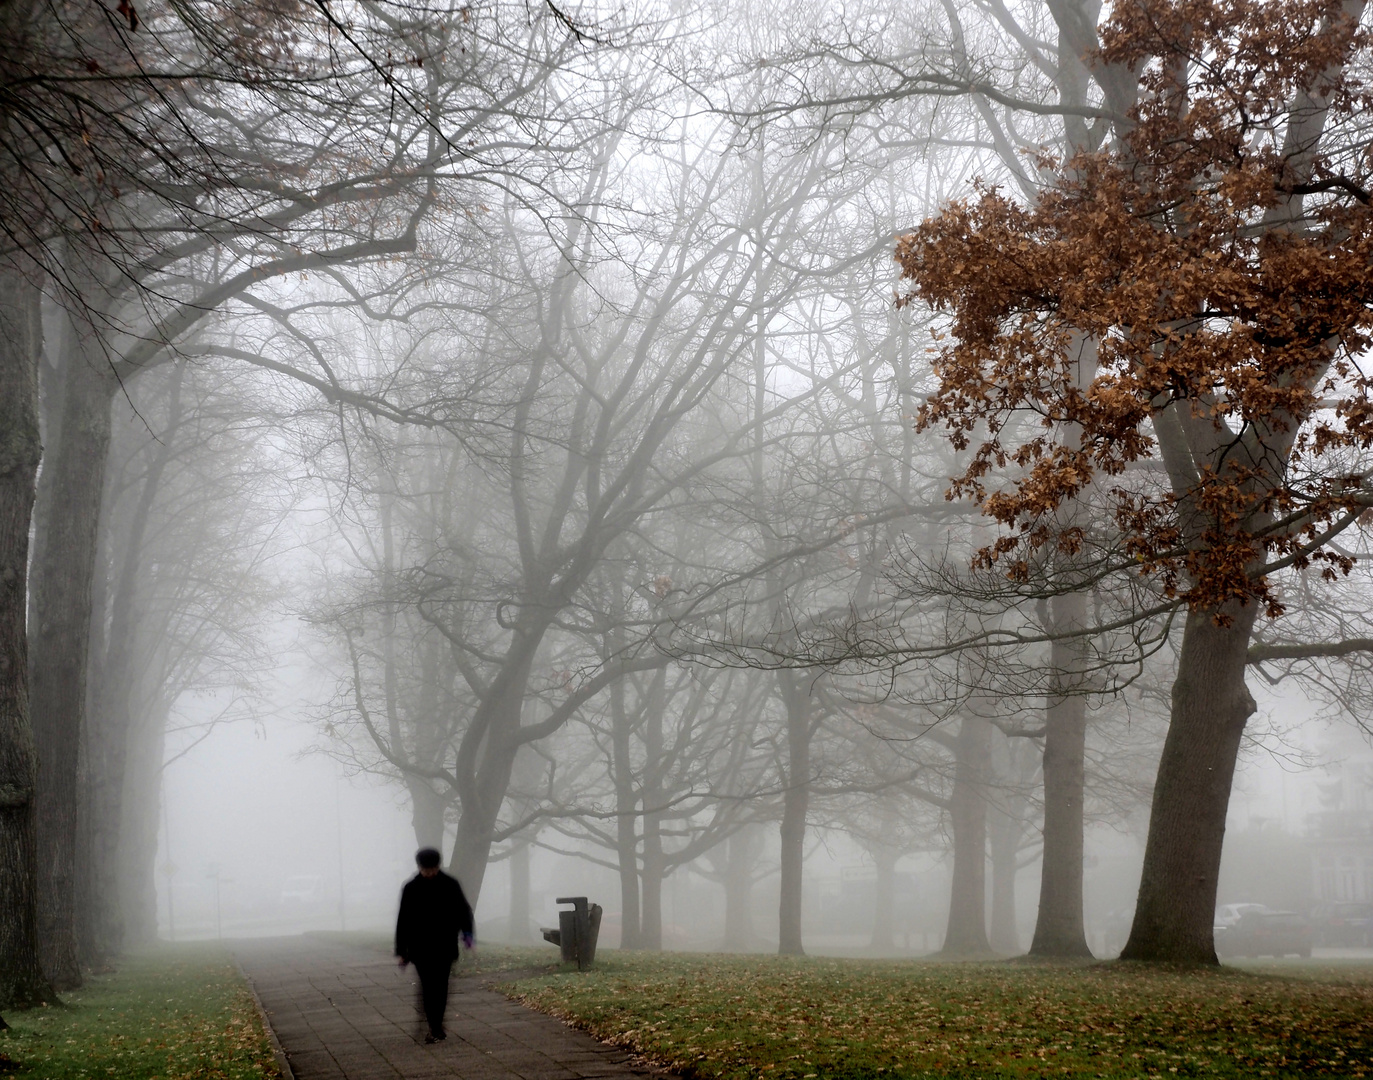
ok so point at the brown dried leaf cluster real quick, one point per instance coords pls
(1218, 257)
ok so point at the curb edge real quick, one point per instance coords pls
(278, 1053)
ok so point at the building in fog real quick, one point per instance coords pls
(1341, 834)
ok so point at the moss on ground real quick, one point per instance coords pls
(721, 1017)
(176, 1012)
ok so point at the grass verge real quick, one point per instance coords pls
(721, 1017)
(175, 1012)
(489, 958)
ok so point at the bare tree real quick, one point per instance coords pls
(232, 185)
(611, 378)
(189, 526)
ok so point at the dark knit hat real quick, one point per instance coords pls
(428, 858)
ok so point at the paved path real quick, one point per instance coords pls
(347, 1012)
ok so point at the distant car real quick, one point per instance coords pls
(1261, 931)
(1229, 914)
(1343, 924)
(302, 890)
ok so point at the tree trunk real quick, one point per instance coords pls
(1175, 912)
(427, 806)
(631, 932)
(426, 813)
(140, 825)
(967, 930)
(90, 823)
(626, 829)
(486, 761)
(741, 857)
(1059, 930)
(21, 976)
(114, 670)
(884, 901)
(795, 805)
(519, 894)
(480, 813)
(1005, 832)
(69, 498)
(651, 930)
(654, 866)
(472, 844)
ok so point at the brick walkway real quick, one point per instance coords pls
(347, 1012)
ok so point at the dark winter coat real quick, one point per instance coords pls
(433, 912)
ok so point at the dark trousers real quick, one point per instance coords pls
(434, 991)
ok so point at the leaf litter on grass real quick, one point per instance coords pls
(723, 1017)
(171, 1013)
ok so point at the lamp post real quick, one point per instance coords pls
(218, 922)
(338, 832)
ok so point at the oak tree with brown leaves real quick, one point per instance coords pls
(1173, 333)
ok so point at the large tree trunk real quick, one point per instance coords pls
(631, 932)
(69, 498)
(115, 681)
(741, 858)
(795, 805)
(967, 930)
(651, 929)
(884, 901)
(426, 813)
(21, 977)
(427, 806)
(475, 835)
(481, 804)
(519, 894)
(1004, 834)
(1059, 930)
(486, 761)
(1175, 912)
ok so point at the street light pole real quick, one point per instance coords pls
(219, 922)
(338, 832)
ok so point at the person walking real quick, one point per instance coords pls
(434, 917)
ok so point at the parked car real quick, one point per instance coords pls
(1261, 931)
(1229, 914)
(1343, 924)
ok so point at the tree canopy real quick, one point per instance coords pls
(1196, 294)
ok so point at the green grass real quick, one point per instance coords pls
(489, 958)
(734, 1017)
(175, 1012)
(494, 959)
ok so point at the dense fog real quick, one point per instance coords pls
(822, 478)
(281, 821)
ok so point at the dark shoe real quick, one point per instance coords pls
(430, 1037)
